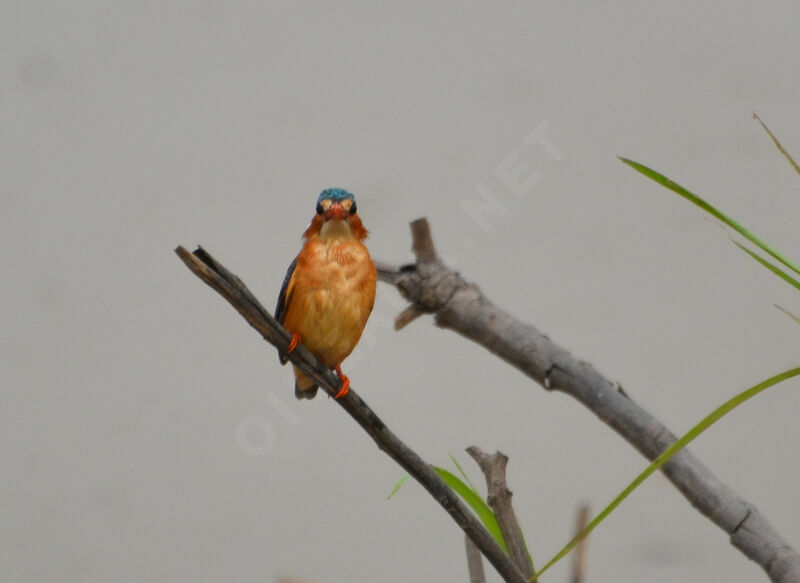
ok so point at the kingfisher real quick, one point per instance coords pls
(329, 289)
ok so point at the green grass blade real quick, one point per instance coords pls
(788, 313)
(397, 486)
(778, 145)
(464, 475)
(709, 420)
(477, 504)
(677, 188)
(470, 495)
(773, 268)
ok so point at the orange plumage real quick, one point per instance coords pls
(330, 287)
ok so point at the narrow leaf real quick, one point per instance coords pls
(397, 486)
(477, 504)
(773, 268)
(464, 475)
(709, 420)
(788, 313)
(475, 490)
(778, 145)
(675, 187)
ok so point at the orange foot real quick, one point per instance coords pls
(293, 342)
(345, 383)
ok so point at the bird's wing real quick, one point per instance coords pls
(283, 300)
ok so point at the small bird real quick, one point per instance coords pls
(329, 289)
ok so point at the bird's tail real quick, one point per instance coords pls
(304, 387)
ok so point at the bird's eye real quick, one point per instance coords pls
(319, 209)
(353, 209)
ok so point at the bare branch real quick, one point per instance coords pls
(405, 317)
(388, 273)
(579, 556)
(474, 562)
(232, 289)
(494, 470)
(423, 247)
(460, 306)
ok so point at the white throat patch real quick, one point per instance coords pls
(335, 229)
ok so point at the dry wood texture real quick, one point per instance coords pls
(458, 305)
(232, 289)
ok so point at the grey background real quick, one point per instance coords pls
(148, 434)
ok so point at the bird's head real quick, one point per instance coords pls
(336, 216)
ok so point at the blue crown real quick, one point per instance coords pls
(336, 195)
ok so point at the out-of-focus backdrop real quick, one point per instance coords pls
(148, 434)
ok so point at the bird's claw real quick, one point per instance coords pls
(293, 342)
(345, 388)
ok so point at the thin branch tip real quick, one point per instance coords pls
(405, 317)
(422, 241)
(499, 496)
(579, 554)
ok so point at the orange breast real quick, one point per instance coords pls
(330, 297)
